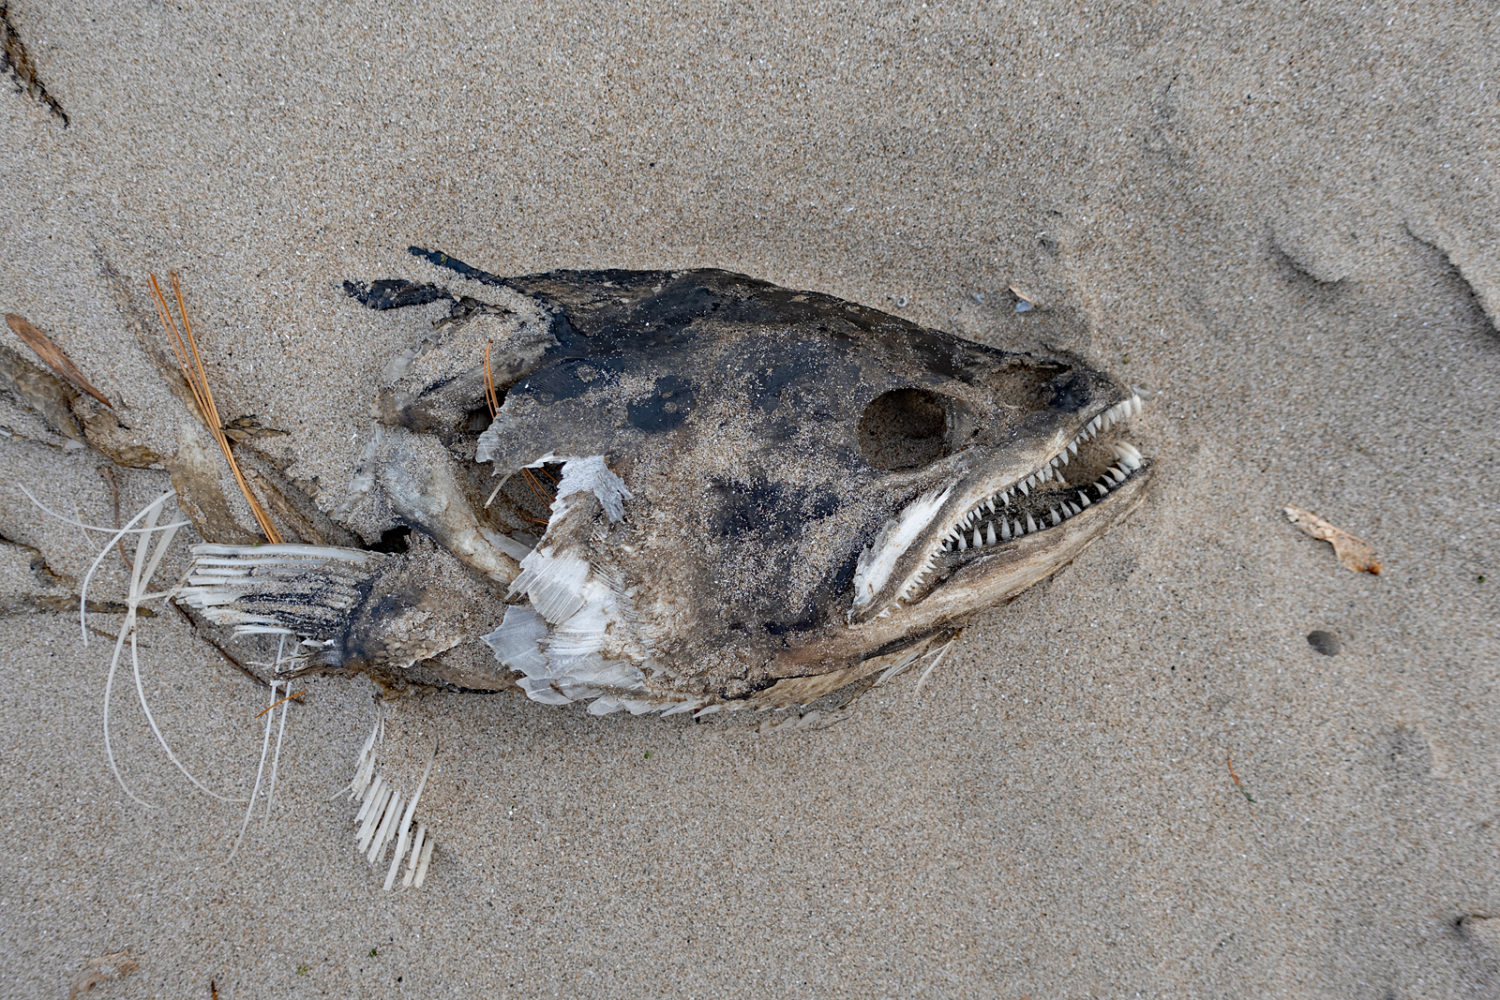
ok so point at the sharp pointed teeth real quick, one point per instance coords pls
(1005, 529)
(1072, 510)
(1056, 517)
(963, 543)
(1026, 487)
(975, 541)
(1094, 424)
(989, 505)
(1062, 457)
(1119, 474)
(989, 534)
(1083, 498)
(1102, 490)
(1030, 524)
(1073, 447)
(1128, 454)
(1135, 403)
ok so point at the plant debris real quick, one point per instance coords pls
(55, 357)
(1236, 778)
(185, 346)
(1354, 552)
(15, 57)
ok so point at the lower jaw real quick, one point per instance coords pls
(997, 575)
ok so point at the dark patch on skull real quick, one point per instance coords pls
(793, 373)
(666, 408)
(396, 293)
(567, 378)
(756, 508)
(1071, 393)
(764, 521)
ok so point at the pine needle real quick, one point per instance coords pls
(291, 697)
(490, 398)
(185, 346)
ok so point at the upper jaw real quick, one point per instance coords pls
(983, 510)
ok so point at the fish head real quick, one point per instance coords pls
(756, 483)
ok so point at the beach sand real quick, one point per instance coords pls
(1138, 779)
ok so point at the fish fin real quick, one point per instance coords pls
(311, 591)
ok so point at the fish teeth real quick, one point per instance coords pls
(1129, 458)
(975, 530)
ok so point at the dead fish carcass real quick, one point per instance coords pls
(697, 490)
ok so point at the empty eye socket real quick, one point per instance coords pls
(904, 429)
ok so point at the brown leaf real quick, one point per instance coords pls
(1354, 552)
(53, 355)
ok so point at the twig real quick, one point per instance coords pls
(114, 496)
(1236, 779)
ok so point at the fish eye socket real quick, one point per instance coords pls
(905, 429)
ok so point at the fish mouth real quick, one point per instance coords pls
(1017, 525)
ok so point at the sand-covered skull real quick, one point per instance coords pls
(697, 490)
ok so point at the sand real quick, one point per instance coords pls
(1280, 225)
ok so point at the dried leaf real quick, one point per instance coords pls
(53, 355)
(1354, 552)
